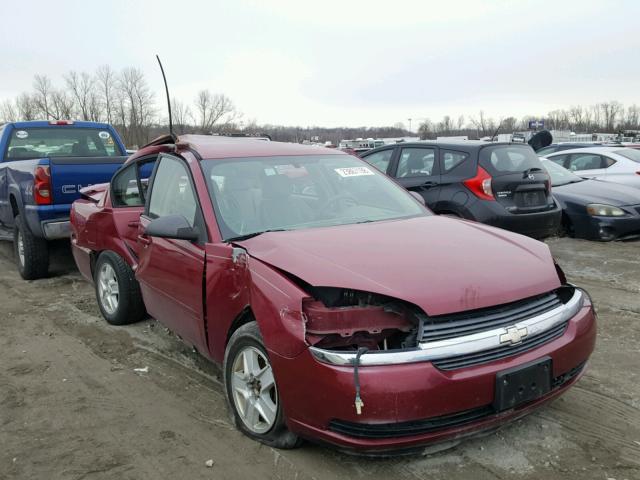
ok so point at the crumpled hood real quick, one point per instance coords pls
(441, 264)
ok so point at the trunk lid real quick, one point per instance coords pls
(519, 181)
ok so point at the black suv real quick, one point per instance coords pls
(501, 184)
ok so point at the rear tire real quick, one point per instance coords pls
(117, 290)
(252, 393)
(31, 252)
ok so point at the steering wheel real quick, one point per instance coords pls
(337, 199)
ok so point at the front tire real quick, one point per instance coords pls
(117, 290)
(31, 252)
(251, 390)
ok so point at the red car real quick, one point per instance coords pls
(341, 309)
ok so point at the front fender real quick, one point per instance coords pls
(277, 305)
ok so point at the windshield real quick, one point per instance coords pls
(61, 142)
(559, 175)
(629, 153)
(257, 194)
(503, 159)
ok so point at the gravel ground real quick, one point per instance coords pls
(72, 406)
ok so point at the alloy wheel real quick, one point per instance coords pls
(254, 390)
(108, 290)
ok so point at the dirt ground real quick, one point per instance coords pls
(72, 406)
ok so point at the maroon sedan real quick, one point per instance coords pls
(341, 309)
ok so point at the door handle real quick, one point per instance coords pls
(133, 223)
(144, 240)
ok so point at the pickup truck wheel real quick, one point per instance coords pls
(117, 290)
(31, 252)
(251, 390)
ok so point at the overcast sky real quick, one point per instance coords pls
(341, 62)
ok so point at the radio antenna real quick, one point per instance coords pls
(166, 89)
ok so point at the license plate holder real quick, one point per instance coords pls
(522, 384)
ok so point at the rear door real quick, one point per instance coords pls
(519, 181)
(416, 169)
(171, 271)
(128, 189)
(587, 164)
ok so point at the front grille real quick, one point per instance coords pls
(443, 327)
(498, 353)
(420, 427)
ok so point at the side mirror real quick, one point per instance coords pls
(172, 226)
(418, 197)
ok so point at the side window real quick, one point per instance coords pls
(416, 162)
(546, 151)
(585, 161)
(608, 162)
(172, 192)
(451, 159)
(380, 160)
(558, 159)
(124, 188)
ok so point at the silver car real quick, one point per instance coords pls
(612, 164)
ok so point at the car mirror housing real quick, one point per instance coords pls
(172, 226)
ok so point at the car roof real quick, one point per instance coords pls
(467, 145)
(45, 123)
(213, 147)
(588, 150)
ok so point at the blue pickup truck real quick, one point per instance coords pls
(43, 166)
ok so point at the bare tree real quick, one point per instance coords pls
(106, 84)
(42, 97)
(138, 102)
(213, 109)
(610, 112)
(632, 117)
(182, 116)
(63, 105)
(26, 106)
(81, 88)
(8, 112)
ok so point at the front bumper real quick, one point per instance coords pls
(607, 228)
(319, 397)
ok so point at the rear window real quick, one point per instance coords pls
(629, 153)
(508, 159)
(61, 142)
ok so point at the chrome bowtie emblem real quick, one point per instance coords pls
(513, 335)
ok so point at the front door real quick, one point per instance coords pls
(416, 169)
(171, 271)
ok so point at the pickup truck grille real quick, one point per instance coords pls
(454, 325)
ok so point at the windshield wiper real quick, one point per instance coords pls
(254, 234)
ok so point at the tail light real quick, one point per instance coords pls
(547, 185)
(61, 122)
(480, 185)
(42, 185)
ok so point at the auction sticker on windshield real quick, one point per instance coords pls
(104, 135)
(353, 171)
(22, 134)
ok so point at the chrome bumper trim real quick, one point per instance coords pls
(454, 347)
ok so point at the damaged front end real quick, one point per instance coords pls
(348, 320)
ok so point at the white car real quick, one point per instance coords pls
(612, 164)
